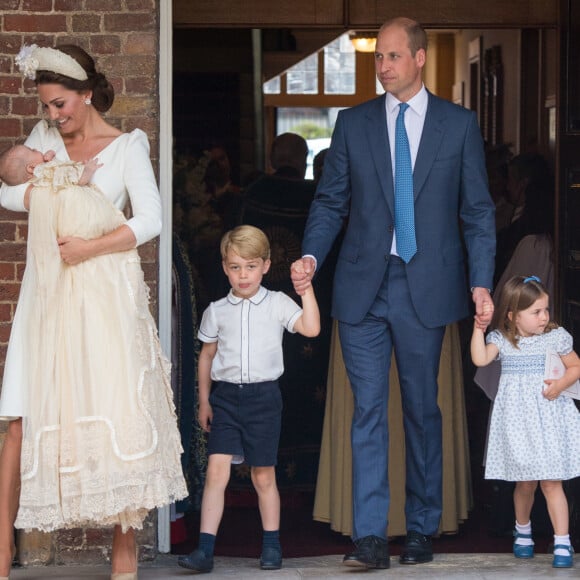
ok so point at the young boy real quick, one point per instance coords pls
(242, 354)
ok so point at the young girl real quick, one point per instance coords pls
(534, 433)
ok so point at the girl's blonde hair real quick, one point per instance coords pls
(518, 294)
(246, 241)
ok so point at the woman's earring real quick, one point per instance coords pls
(87, 101)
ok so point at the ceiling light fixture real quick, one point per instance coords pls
(364, 40)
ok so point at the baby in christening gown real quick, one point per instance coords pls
(100, 444)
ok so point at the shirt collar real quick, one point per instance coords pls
(417, 103)
(255, 299)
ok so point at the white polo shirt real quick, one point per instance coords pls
(249, 335)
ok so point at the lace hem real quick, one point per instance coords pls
(127, 506)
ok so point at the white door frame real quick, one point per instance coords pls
(165, 188)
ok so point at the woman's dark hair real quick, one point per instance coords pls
(103, 92)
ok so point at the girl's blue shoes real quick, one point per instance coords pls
(521, 551)
(563, 561)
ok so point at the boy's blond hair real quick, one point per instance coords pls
(248, 242)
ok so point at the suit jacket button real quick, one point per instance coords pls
(391, 229)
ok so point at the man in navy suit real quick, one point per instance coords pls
(383, 302)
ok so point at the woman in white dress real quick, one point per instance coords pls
(86, 388)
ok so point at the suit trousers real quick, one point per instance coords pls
(392, 323)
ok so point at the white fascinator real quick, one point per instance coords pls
(32, 58)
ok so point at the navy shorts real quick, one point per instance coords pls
(246, 422)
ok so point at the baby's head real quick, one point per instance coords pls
(17, 164)
(246, 241)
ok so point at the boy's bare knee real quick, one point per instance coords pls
(263, 478)
(218, 471)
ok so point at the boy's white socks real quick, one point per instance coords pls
(524, 529)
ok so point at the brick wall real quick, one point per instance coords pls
(123, 37)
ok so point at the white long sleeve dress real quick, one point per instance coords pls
(84, 366)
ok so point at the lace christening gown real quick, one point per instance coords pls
(101, 444)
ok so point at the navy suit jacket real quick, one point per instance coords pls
(454, 213)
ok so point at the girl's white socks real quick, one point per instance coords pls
(524, 529)
(562, 541)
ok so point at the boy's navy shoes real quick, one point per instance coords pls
(271, 558)
(197, 561)
(369, 552)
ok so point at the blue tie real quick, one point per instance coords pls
(404, 206)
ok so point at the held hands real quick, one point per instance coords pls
(301, 273)
(483, 307)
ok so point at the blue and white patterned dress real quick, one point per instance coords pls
(531, 438)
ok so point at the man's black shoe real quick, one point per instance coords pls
(197, 562)
(418, 549)
(370, 552)
(271, 558)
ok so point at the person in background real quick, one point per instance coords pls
(94, 437)
(531, 192)
(242, 353)
(408, 170)
(318, 164)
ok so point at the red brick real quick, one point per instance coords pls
(35, 23)
(36, 5)
(140, 5)
(130, 22)
(149, 125)
(7, 231)
(104, 44)
(6, 5)
(22, 231)
(5, 214)
(9, 292)
(40, 38)
(99, 536)
(6, 312)
(10, 127)
(10, 43)
(134, 65)
(25, 106)
(72, 538)
(12, 252)
(81, 41)
(5, 331)
(20, 267)
(141, 85)
(86, 22)
(66, 5)
(10, 85)
(4, 108)
(7, 271)
(142, 43)
(5, 65)
(28, 125)
(102, 5)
